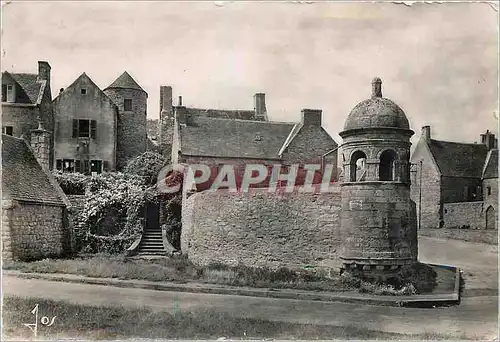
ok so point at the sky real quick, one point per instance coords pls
(439, 62)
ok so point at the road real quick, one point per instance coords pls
(476, 317)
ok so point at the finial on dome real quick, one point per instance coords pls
(377, 87)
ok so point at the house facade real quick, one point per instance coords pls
(453, 183)
(85, 129)
(26, 99)
(99, 130)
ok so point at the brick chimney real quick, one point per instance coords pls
(426, 133)
(40, 144)
(43, 71)
(489, 140)
(165, 99)
(259, 106)
(312, 117)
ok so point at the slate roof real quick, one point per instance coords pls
(29, 83)
(459, 159)
(207, 136)
(125, 81)
(224, 113)
(491, 165)
(22, 176)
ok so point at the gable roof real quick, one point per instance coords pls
(125, 81)
(86, 77)
(458, 159)
(30, 84)
(491, 165)
(224, 113)
(22, 176)
(206, 136)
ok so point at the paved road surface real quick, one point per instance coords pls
(476, 317)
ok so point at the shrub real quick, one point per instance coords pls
(147, 165)
(72, 183)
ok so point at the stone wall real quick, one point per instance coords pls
(33, 231)
(378, 223)
(463, 215)
(131, 130)
(259, 228)
(429, 177)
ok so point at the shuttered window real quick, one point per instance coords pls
(83, 128)
(105, 165)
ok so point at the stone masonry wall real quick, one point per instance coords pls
(430, 179)
(260, 228)
(463, 215)
(131, 131)
(35, 231)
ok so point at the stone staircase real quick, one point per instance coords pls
(151, 243)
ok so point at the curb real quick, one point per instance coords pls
(349, 297)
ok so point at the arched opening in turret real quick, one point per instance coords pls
(387, 167)
(358, 167)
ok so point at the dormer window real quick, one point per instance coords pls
(83, 91)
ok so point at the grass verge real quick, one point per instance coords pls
(178, 269)
(99, 323)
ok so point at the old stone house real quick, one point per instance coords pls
(86, 127)
(99, 130)
(34, 208)
(26, 99)
(454, 184)
(216, 137)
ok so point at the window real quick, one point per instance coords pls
(387, 167)
(65, 165)
(8, 93)
(83, 128)
(127, 105)
(95, 167)
(9, 130)
(83, 91)
(357, 167)
(488, 189)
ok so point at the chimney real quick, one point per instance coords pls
(43, 71)
(426, 133)
(259, 106)
(182, 115)
(180, 101)
(165, 100)
(40, 144)
(489, 140)
(311, 117)
(376, 87)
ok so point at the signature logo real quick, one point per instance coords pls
(44, 321)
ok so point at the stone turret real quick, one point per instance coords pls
(378, 221)
(131, 101)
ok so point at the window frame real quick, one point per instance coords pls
(83, 91)
(6, 128)
(126, 108)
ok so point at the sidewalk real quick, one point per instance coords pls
(351, 297)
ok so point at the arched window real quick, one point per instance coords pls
(387, 167)
(358, 166)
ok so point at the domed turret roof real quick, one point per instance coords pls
(377, 112)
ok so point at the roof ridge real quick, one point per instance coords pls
(246, 120)
(458, 143)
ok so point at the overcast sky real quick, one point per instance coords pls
(437, 61)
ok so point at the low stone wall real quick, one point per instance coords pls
(463, 215)
(33, 230)
(259, 228)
